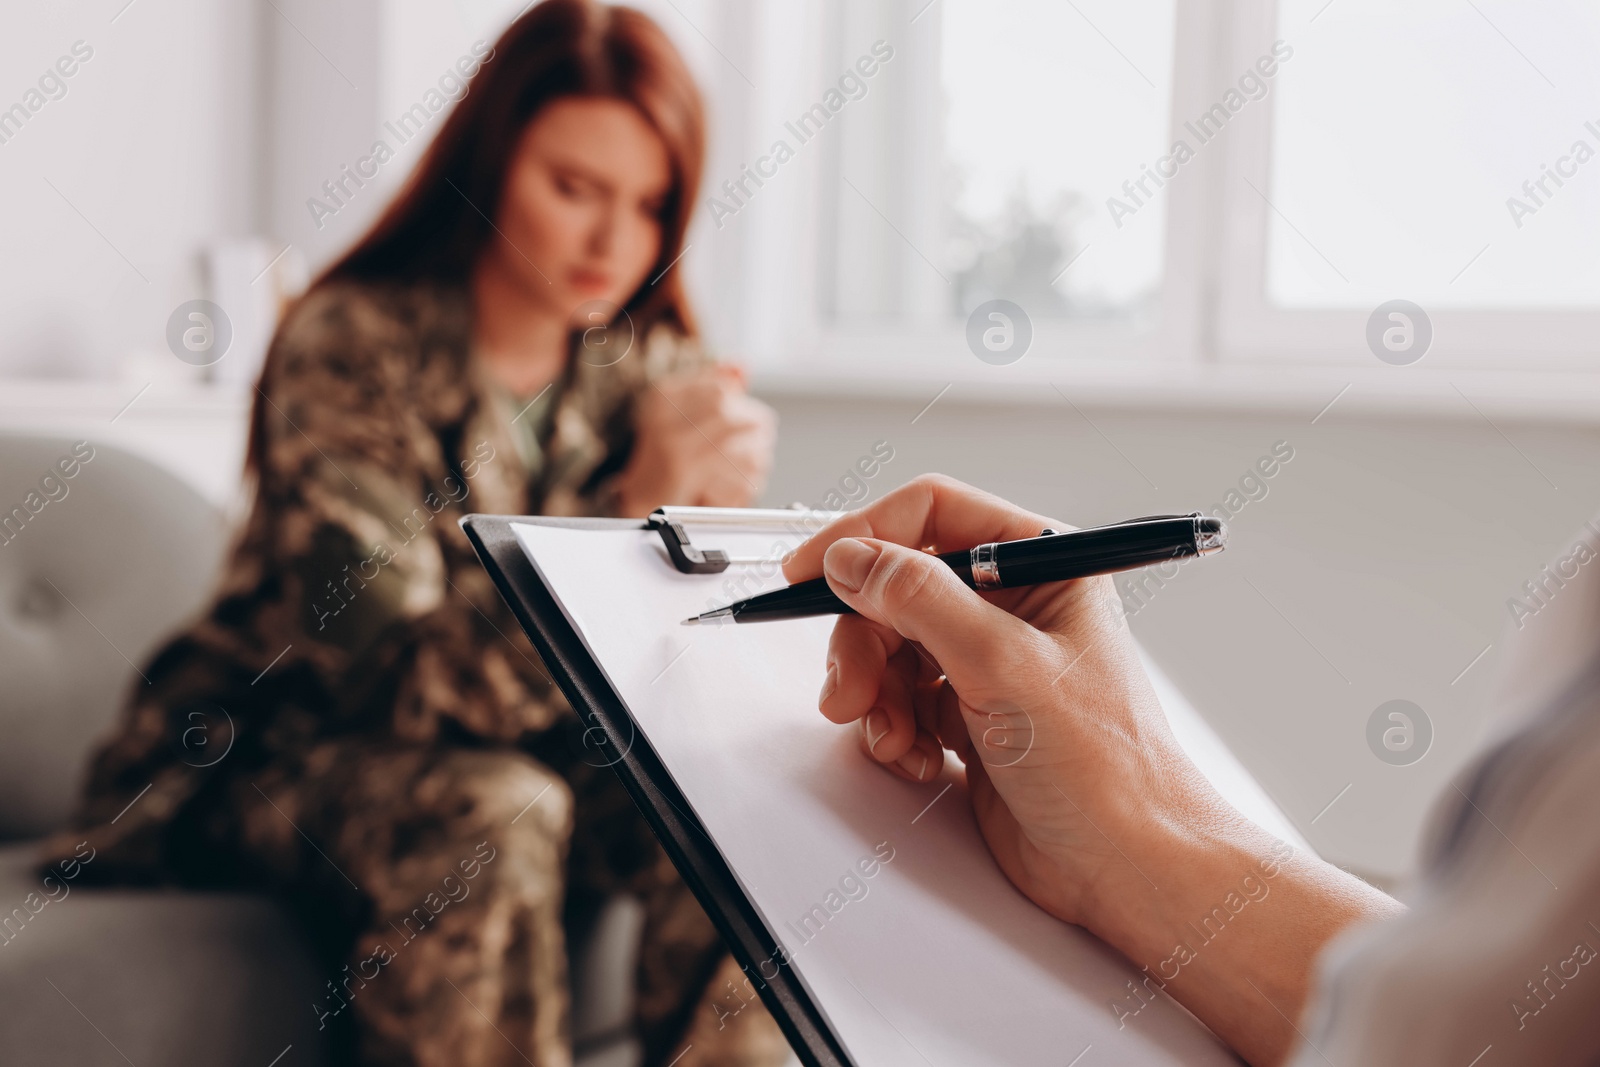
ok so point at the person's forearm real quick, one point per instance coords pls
(1228, 921)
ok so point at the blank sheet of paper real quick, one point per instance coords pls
(935, 959)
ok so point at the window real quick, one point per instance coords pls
(975, 162)
(1035, 117)
(1173, 192)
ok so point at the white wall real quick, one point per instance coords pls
(372, 60)
(325, 78)
(153, 150)
(194, 121)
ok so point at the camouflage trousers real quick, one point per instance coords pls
(448, 878)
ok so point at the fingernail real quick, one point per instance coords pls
(829, 684)
(848, 563)
(915, 763)
(877, 726)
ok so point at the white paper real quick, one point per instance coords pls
(935, 959)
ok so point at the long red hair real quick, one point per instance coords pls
(439, 223)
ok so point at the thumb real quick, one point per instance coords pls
(920, 597)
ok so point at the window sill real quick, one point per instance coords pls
(1316, 392)
(31, 402)
(194, 430)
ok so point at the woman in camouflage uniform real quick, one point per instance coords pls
(357, 721)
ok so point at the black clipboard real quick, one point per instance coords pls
(646, 778)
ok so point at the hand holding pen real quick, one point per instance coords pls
(1050, 556)
(1078, 786)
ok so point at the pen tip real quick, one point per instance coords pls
(692, 620)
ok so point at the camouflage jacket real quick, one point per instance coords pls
(352, 602)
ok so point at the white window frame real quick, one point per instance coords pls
(824, 350)
(1175, 337)
(1217, 339)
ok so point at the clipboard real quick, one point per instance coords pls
(827, 1028)
(643, 774)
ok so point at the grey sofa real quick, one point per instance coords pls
(95, 569)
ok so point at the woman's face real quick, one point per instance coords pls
(582, 204)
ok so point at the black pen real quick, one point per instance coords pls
(1050, 557)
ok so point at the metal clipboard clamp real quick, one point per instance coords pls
(672, 523)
